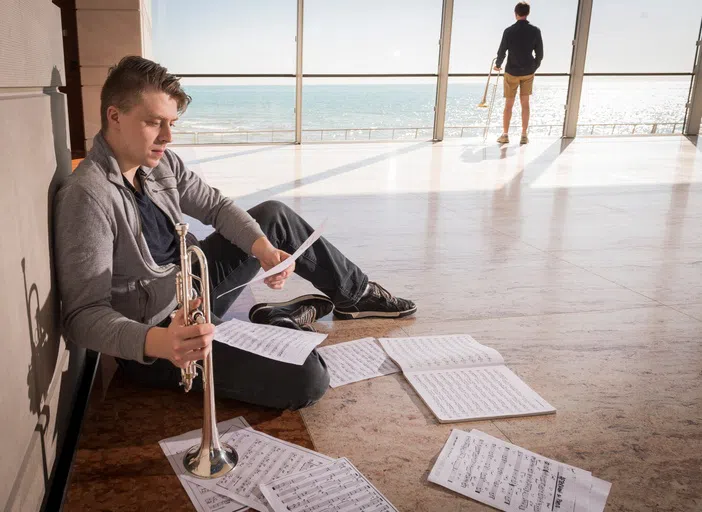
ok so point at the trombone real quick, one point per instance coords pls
(211, 458)
(483, 103)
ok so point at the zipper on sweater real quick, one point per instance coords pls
(160, 270)
(146, 191)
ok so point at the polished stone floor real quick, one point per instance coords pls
(579, 261)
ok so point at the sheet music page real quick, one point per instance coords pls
(261, 458)
(357, 360)
(203, 499)
(439, 352)
(506, 476)
(335, 486)
(477, 393)
(285, 263)
(599, 491)
(279, 343)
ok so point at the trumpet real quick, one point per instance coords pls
(483, 103)
(211, 458)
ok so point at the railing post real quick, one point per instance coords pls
(443, 69)
(577, 68)
(298, 72)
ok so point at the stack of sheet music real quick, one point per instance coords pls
(273, 475)
(458, 378)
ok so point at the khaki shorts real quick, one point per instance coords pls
(523, 83)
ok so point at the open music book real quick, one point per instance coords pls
(459, 379)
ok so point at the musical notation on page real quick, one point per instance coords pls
(204, 500)
(261, 458)
(335, 486)
(279, 343)
(510, 478)
(357, 360)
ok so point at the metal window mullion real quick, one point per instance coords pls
(694, 108)
(577, 68)
(442, 79)
(298, 73)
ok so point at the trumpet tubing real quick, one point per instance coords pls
(211, 458)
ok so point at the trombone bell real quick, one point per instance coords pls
(484, 102)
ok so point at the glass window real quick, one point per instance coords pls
(643, 36)
(225, 36)
(368, 109)
(371, 37)
(465, 119)
(230, 111)
(478, 27)
(632, 105)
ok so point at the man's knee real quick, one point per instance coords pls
(269, 211)
(271, 207)
(309, 384)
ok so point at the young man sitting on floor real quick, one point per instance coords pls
(117, 255)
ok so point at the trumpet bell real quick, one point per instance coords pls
(210, 463)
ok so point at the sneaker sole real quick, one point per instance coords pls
(270, 305)
(373, 314)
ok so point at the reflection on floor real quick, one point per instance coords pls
(579, 261)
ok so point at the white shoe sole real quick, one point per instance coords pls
(371, 314)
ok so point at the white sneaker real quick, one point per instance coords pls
(503, 139)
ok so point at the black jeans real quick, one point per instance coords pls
(245, 376)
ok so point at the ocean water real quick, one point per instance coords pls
(260, 113)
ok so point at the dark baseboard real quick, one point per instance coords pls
(63, 467)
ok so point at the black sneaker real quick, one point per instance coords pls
(289, 323)
(378, 302)
(299, 313)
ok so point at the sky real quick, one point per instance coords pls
(401, 36)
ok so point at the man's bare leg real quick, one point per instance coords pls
(506, 118)
(524, 100)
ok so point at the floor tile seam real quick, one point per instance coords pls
(585, 269)
(557, 313)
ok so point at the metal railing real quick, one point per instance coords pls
(410, 133)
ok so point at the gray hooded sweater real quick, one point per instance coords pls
(112, 292)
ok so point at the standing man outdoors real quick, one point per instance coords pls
(525, 50)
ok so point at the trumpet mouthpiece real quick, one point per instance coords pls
(181, 228)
